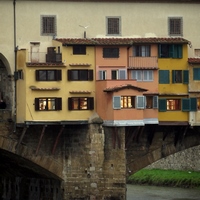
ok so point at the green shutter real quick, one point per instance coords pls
(164, 76)
(162, 105)
(180, 51)
(117, 102)
(196, 73)
(193, 104)
(185, 76)
(173, 76)
(155, 101)
(171, 51)
(186, 105)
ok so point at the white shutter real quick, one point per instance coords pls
(140, 102)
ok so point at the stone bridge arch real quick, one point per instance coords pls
(149, 144)
(24, 156)
(6, 82)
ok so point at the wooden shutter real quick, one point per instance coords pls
(185, 76)
(58, 75)
(90, 75)
(140, 102)
(69, 77)
(116, 102)
(185, 104)
(162, 105)
(155, 101)
(164, 76)
(193, 104)
(37, 104)
(37, 75)
(90, 102)
(70, 107)
(58, 104)
(179, 51)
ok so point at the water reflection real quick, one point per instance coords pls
(136, 192)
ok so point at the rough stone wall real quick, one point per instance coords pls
(183, 160)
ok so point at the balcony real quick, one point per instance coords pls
(143, 62)
(45, 57)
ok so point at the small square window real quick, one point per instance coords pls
(175, 26)
(113, 25)
(48, 25)
(197, 52)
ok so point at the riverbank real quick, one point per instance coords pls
(159, 177)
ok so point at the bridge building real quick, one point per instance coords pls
(95, 90)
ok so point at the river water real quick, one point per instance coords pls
(138, 192)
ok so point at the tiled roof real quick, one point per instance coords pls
(30, 64)
(142, 68)
(121, 87)
(79, 92)
(44, 89)
(194, 60)
(119, 41)
(79, 64)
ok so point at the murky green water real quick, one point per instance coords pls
(136, 192)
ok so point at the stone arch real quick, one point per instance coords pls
(6, 82)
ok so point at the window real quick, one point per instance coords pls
(151, 102)
(48, 75)
(169, 104)
(164, 76)
(175, 26)
(118, 74)
(120, 102)
(47, 104)
(142, 75)
(170, 51)
(113, 25)
(197, 52)
(80, 75)
(196, 74)
(102, 75)
(48, 25)
(127, 102)
(79, 50)
(110, 52)
(81, 103)
(141, 51)
(180, 76)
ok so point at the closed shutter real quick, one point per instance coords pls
(58, 104)
(90, 102)
(58, 75)
(140, 102)
(193, 104)
(36, 103)
(155, 101)
(186, 105)
(69, 75)
(90, 75)
(180, 51)
(70, 104)
(196, 74)
(162, 105)
(37, 75)
(164, 76)
(101, 76)
(185, 76)
(122, 74)
(117, 102)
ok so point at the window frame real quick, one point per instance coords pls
(164, 77)
(58, 103)
(120, 74)
(175, 26)
(79, 50)
(170, 51)
(110, 52)
(57, 75)
(113, 29)
(102, 75)
(88, 100)
(51, 27)
(89, 74)
(138, 51)
(139, 75)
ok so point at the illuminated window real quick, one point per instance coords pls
(127, 102)
(173, 104)
(81, 103)
(46, 104)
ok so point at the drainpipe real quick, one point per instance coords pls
(15, 57)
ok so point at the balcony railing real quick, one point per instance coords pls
(143, 62)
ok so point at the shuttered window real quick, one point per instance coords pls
(48, 104)
(185, 104)
(164, 76)
(196, 74)
(80, 75)
(81, 103)
(48, 75)
(140, 102)
(110, 52)
(170, 50)
(193, 104)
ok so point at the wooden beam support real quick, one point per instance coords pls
(20, 139)
(41, 136)
(57, 139)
